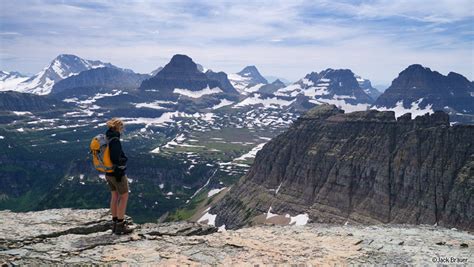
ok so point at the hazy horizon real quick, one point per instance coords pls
(375, 39)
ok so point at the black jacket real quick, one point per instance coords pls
(117, 156)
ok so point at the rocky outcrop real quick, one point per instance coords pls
(83, 237)
(363, 167)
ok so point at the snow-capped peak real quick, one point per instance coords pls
(247, 80)
(63, 66)
(10, 80)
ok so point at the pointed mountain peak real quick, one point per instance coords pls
(61, 67)
(278, 82)
(249, 71)
(251, 68)
(253, 73)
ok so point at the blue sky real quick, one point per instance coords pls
(376, 38)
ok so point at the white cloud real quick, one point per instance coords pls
(376, 39)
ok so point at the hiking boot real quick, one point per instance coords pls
(121, 228)
(111, 225)
(114, 227)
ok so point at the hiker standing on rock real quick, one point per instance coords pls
(117, 180)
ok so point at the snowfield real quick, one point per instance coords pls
(266, 102)
(414, 109)
(223, 103)
(197, 94)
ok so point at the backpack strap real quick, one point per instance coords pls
(109, 140)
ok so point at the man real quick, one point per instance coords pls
(117, 180)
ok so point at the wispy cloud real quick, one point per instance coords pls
(376, 38)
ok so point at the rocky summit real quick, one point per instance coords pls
(66, 236)
(363, 167)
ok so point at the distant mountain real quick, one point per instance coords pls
(222, 78)
(366, 85)
(16, 101)
(420, 90)
(271, 79)
(9, 80)
(63, 66)
(248, 80)
(253, 74)
(180, 76)
(272, 87)
(99, 78)
(199, 67)
(339, 87)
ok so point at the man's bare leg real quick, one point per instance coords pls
(122, 205)
(114, 203)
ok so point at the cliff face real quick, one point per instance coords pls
(364, 167)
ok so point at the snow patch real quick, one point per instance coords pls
(266, 102)
(300, 219)
(215, 191)
(210, 218)
(22, 113)
(223, 103)
(270, 214)
(197, 94)
(251, 154)
(414, 108)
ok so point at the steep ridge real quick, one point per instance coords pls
(365, 167)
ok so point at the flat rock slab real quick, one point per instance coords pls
(81, 236)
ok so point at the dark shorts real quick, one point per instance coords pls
(121, 187)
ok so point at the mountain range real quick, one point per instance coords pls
(193, 132)
(417, 89)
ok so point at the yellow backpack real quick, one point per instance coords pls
(101, 154)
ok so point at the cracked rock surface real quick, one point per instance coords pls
(66, 236)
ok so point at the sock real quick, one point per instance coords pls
(115, 219)
(119, 220)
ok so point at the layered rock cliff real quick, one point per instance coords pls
(363, 167)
